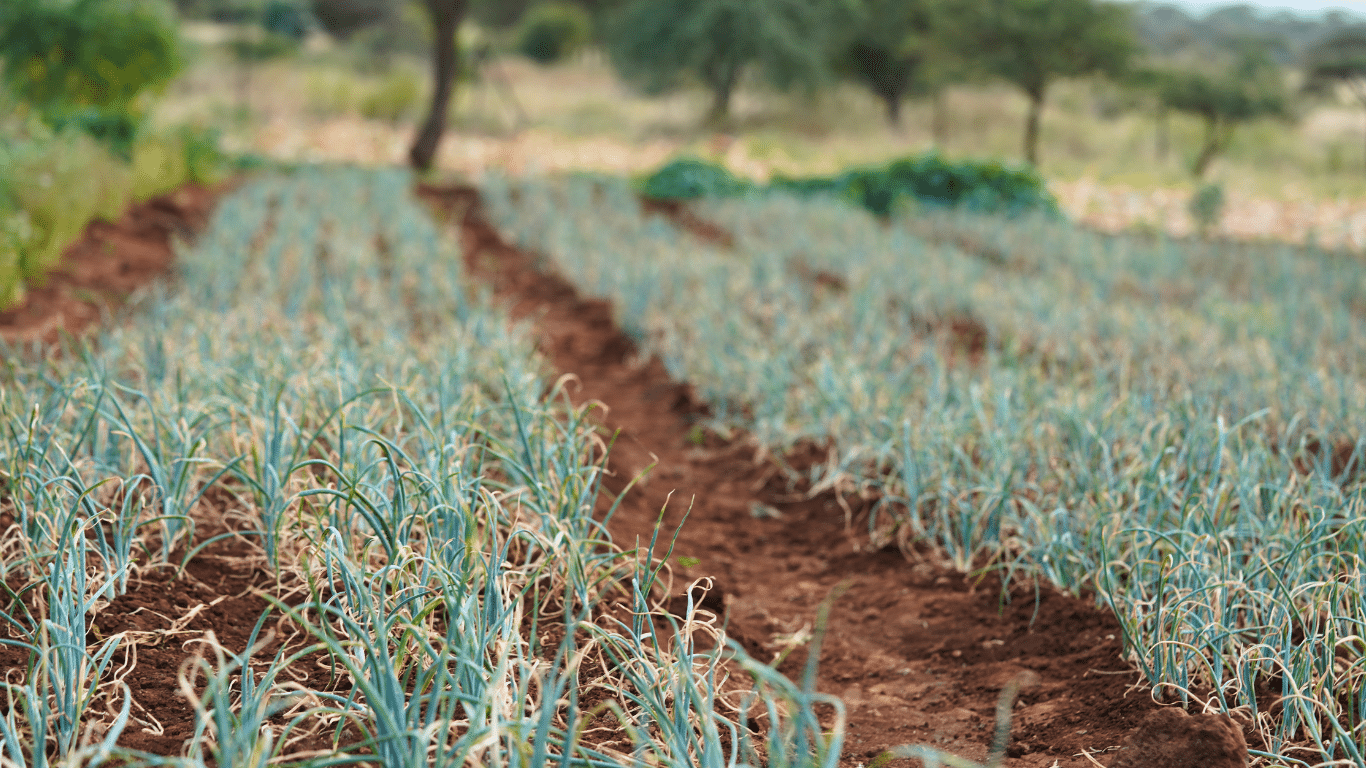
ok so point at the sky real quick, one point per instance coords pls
(1358, 6)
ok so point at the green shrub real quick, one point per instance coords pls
(688, 178)
(979, 186)
(53, 186)
(1206, 207)
(88, 64)
(552, 31)
(985, 186)
(285, 19)
(165, 161)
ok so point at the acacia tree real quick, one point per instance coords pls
(1341, 58)
(659, 45)
(1248, 91)
(1033, 43)
(890, 49)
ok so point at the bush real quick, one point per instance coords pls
(688, 178)
(1206, 207)
(51, 186)
(285, 19)
(980, 186)
(88, 63)
(552, 31)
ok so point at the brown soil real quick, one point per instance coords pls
(918, 652)
(111, 260)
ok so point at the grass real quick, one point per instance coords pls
(323, 387)
(1174, 426)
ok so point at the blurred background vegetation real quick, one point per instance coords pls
(1132, 96)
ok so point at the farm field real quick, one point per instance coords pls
(935, 465)
(839, 384)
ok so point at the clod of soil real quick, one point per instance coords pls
(1171, 738)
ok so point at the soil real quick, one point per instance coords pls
(918, 652)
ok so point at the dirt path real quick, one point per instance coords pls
(918, 652)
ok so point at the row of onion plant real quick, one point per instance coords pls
(1175, 425)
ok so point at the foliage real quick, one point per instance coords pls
(659, 45)
(1172, 33)
(688, 178)
(552, 31)
(396, 97)
(1032, 43)
(928, 178)
(1340, 58)
(88, 63)
(285, 19)
(52, 185)
(1207, 206)
(344, 18)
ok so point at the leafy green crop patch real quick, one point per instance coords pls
(989, 186)
(1174, 426)
(379, 437)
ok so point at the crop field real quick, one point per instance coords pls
(1174, 427)
(323, 419)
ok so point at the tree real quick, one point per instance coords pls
(1341, 58)
(890, 49)
(88, 63)
(1033, 43)
(446, 16)
(1251, 89)
(659, 45)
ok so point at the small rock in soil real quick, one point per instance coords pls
(1170, 738)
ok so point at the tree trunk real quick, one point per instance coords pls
(447, 16)
(1031, 139)
(722, 89)
(1164, 134)
(939, 119)
(893, 102)
(1216, 136)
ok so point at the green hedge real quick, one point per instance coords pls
(987, 186)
